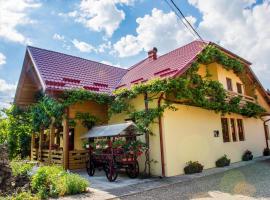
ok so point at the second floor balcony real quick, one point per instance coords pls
(244, 100)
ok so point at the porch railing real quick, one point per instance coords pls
(78, 158)
(56, 156)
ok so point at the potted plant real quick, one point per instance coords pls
(247, 156)
(223, 161)
(266, 152)
(193, 167)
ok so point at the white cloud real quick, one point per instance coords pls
(59, 37)
(14, 13)
(2, 59)
(161, 30)
(100, 15)
(104, 46)
(240, 27)
(110, 63)
(7, 92)
(83, 46)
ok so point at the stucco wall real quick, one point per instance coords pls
(100, 111)
(189, 135)
(138, 103)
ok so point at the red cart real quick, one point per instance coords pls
(114, 153)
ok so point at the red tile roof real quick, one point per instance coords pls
(60, 71)
(167, 65)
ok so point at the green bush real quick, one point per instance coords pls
(20, 167)
(247, 156)
(266, 152)
(22, 196)
(193, 167)
(54, 181)
(223, 161)
(74, 184)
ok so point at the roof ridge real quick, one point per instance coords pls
(133, 66)
(76, 57)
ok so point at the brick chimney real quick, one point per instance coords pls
(152, 54)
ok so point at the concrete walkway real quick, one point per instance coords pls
(132, 190)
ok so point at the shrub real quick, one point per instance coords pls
(23, 196)
(223, 161)
(193, 167)
(266, 152)
(74, 184)
(54, 181)
(247, 156)
(20, 167)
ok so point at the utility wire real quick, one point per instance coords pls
(173, 9)
(182, 17)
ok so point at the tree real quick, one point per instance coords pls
(3, 128)
(17, 129)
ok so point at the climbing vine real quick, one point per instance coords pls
(189, 89)
(87, 120)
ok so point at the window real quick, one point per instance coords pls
(225, 130)
(240, 129)
(239, 88)
(233, 130)
(229, 84)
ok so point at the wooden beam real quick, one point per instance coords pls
(65, 139)
(40, 144)
(51, 142)
(32, 146)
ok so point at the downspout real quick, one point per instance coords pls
(265, 132)
(161, 138)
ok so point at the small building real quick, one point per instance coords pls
(190, 133)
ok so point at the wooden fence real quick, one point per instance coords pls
(78, 158)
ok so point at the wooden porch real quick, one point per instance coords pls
(54, 146)
(77, 158)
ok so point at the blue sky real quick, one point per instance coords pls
(132, 27)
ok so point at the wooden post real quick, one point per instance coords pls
(32, 145)
(51, 142)
(40, 144)
(65, 140)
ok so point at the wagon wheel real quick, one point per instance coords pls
(111, 172)
(90, 167)
(133, 170)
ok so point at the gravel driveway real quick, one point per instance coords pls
(248, 182)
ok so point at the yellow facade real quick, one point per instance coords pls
(189, 136)
(188, 133)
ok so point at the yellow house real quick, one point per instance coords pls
(187, 133)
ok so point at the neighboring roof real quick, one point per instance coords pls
(108, 130)
(167, 65)
(60, 71)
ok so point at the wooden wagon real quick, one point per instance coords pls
(114, 148)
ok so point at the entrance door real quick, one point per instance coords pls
(71, 139)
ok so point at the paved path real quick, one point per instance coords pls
(242, 180)
(246, 182)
